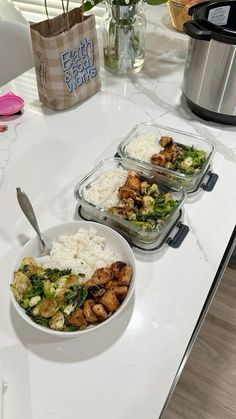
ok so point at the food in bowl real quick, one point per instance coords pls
(136, 200)
(166, 153)
(79, 284)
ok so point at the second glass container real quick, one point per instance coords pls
(190, 182)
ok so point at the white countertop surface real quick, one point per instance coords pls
(125, 370)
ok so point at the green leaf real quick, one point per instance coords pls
(41, 321)
(155, 2)
(82, 296)
(54, 274)
(70, 296)
(78, 293)
(37, 287)
(88, 6)
(70, 328)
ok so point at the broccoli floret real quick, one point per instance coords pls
(164, 205)
(148, 204)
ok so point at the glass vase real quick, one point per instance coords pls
(123, 31)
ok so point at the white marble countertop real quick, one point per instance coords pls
(126, 370)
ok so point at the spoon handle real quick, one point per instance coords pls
(28, 210)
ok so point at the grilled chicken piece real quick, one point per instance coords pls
(128, 204)
(125, 275)
(111, 284)
(116, 268)
(126, 192)
(120, 291)
(144, 187)
(120, 212)
(109, 301)
(164, 140)
(100, 311)
(88, 312)
(78, 319)
(167, 154)
(101, 276)
(158, 159)
(133, 181)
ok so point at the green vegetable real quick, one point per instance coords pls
(148, 204)
(186, 163)
(153, 190)
(77, 293)
(25, 303)
(191, 161)
(48, 288)
(89, 5)
(146, 216)
(190, 170)
(70, 328)
(54, 274)
(164, 205)
(42, 321)
(37, 287)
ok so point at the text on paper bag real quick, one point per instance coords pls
(78, 64)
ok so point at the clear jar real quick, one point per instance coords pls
(123, 31)
(178, 11)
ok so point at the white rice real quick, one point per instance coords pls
(83, 252)
(103, 192)
(142, 147)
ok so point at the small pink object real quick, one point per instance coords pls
(10, 104)
(3, 128)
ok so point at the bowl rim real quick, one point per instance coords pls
(89, 329)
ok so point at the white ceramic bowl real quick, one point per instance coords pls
(113, 240)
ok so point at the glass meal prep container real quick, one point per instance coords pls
(144, 239)
(190, 182)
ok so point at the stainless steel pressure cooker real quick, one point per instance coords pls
(209, 84)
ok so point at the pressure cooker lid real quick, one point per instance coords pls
(217, 18)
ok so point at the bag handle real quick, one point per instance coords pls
(65, 12)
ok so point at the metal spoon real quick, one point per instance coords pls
(28, 210)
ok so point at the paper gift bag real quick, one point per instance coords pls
(65, 51)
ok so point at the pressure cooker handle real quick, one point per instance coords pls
(195, 30)
(195, 7)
